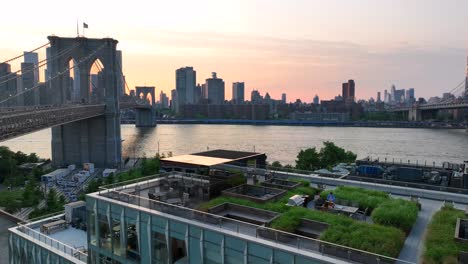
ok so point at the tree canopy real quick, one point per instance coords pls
(329, 155)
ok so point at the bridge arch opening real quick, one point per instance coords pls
(96, 89)
(149, 98)
(73, 81)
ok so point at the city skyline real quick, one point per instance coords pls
(299, 54)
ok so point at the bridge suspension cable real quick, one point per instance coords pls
(39, 65)
(56, 76)
(19, 56)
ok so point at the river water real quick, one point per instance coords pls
(281, 143)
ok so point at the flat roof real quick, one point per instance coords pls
(227, 154)
(197, 160)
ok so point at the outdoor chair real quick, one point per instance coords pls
(360, 215)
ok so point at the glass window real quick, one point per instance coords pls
(104, 233)
(258, 254)
(179, 251)
(117, 236)
(212, 247)
(133, 242)
(160, 248)
(233, 250)
(92, 227)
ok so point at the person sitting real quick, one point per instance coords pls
(331, 197)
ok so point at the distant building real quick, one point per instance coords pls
(215, 89)
(255, 97)
(33, 57)
(163, 100)
(198, 93)
(348, 91)
(378, 97)
(28, 81)
(185, 86)
(8, 83)
(226, 111)
(283, 98)
(174, 100)
(410, 95)
(392, 93)
(316, 100)
(238, 91)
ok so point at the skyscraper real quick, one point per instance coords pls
(392, 93)
(163, 100)
(185, 85)
(33, 57)
(283, 98)
(238, 91)
(386, 99)
(351, 89)
(28, 79)
(215, 89)
(174, 106)
(344, 90)
(348, 89)
(316, 100)
(378, 97)
(8, 83)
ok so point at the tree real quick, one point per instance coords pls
(308, 159)
(330, 155)
(276, 164)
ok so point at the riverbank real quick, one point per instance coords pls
(384, 124)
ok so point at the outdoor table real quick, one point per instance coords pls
(349, 210)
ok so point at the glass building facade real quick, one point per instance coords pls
(122, 233)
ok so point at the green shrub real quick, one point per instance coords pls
(396, 212)
(440, 244)
(365, 198)
(345, 231)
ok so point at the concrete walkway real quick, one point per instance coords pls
(414, 244)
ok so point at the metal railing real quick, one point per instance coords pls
(66, 249)
(196, 217)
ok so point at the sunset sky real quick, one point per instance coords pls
(301, 47)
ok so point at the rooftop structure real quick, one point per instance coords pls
(201, 162)
(167, 218)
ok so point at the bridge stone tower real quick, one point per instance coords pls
(95, 139)
(145, 117)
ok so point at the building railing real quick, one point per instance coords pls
(66, 249)
(295, 241)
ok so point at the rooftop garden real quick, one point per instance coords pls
(385, 237)
(380, 206)
(441, 247)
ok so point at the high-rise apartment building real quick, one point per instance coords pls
(8, 83)
(174, 100)
(163, 100)
(379, 99)
(33, 57)
(185, 85)
(29, 95)
(238, 91)
(215, 89)
(283, 98)
(348, 90)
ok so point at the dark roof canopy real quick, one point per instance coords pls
(227, 154)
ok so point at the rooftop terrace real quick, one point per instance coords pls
(134, 194)
(66, 241)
